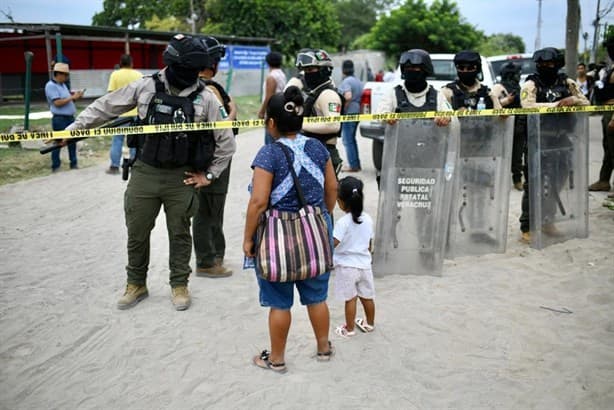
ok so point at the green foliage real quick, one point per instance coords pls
(296, 24)
(166, 24)
(129, 13)
(498, 44)
(356, 18)
(437, 29)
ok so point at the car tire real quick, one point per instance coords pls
(377, 150)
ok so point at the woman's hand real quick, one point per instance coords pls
(197, 179)
(248, 248)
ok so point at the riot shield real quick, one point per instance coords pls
(418, 170)
(480, 202)
(558, 178)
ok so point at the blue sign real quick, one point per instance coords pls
(244, 58)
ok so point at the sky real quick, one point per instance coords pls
(518, 17)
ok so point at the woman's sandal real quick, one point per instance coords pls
(264, 362)
(363, 325)
(326, 356)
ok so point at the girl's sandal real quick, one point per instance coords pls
(363, 325)
(326, 356)
(264, 362)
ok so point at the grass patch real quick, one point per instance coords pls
(17, 164)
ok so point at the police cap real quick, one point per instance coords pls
(185, 51)
(417, 57)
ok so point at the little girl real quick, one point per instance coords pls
(352, 258)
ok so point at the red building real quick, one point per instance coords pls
(92, 51)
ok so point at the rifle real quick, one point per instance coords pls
(117, 122)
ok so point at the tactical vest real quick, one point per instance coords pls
(462, 98)
(552, 93)
(310, 111)
(607, 92)
(225, 98)
(178, 148)
(512, 87)
(403, 104)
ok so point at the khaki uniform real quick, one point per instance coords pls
(388, 103)
(149, 187)
(449, 94)
(528, 95)
(208, 222)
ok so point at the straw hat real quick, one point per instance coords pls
(61, 68)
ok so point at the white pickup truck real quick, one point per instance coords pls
(445, 72)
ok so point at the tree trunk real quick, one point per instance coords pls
(572, 36)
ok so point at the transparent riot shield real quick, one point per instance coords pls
(418, 170)
(558, 178)
(478, 224)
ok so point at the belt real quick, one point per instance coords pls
(62, 115)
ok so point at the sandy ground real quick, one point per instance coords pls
(475, 338)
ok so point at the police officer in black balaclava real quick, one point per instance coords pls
(508, 93)
(169, 165)
(466, 91)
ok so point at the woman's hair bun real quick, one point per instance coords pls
(293, 94)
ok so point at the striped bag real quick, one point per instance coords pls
(293, 246)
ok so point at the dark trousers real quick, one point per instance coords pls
(519, 148)
(208, 223)
(148, 190)
(608, 149)
(59, 123)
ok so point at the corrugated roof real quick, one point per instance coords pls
(28, 29)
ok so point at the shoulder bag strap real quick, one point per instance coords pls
(297, 185)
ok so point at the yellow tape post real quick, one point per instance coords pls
(216, 125)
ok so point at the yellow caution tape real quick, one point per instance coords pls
(198, 126)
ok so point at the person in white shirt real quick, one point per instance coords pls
(353, 234)
(275, 83)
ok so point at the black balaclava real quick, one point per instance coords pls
(313, 80)
(415, 81)
(181, 77)
(468, 78)
(547, 74)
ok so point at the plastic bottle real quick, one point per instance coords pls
(481, 104)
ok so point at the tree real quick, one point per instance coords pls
(296, 24)
(498, 44)
(357, 17)
(437, 29)
(157, 15)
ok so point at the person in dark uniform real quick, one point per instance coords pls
(546, 88)
(604, 94)
(208, 223)
(508, 92)
(170, 165)
(466, 91)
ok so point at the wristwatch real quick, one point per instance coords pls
(209, 176)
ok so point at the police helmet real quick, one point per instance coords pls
(314, 58)
(416, 57)
(468, 57)
(509, 69)
(214, 48)
(185, 51)
(549, 54)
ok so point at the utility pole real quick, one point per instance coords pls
(596, 34)
(538, 37)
